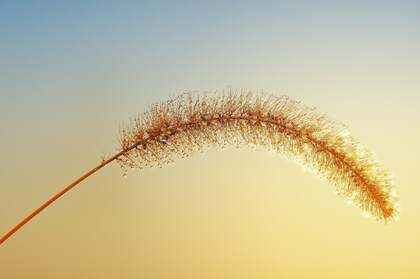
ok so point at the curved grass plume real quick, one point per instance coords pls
(187, 123)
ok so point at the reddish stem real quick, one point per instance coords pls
(59, 194)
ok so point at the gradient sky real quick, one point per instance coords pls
(73, 72)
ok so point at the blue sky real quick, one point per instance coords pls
(73, 72)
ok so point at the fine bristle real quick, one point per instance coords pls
(188, 123)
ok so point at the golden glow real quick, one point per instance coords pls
(73, 72)
(189, 123)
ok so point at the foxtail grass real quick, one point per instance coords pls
(189, 123)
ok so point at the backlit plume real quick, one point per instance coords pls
(189, 123)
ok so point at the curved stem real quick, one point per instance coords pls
(59, 194)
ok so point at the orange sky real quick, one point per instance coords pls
(76, 74)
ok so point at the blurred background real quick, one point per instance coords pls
(72, 74)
